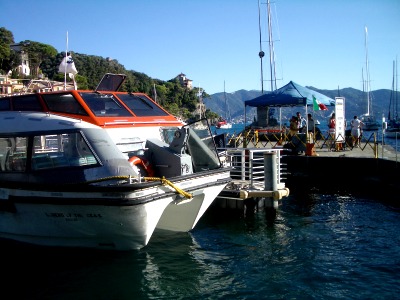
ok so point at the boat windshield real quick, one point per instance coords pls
(65, 103)
(104, 105)
(141, 106)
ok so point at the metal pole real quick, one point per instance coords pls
(270, 171)
(270, 178)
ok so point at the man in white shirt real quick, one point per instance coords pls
(301, 122)
(356, 126)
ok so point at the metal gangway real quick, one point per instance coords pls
(256, 173)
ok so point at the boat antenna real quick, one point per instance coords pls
(155, 92)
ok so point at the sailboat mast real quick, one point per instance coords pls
(393, 105)
(367, 83)
(261, 53)
(200, 102)
(226, 106)
(271, 49)
(396, 97)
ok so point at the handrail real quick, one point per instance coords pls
(248, 164)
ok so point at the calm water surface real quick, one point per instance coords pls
(317, 247)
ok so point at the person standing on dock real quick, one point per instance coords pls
(356, 125)
(310, 128)
(301, 122)
(311, 123)
(293, 127)
(332, 130)
(332, 123)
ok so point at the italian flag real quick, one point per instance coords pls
(317, 105)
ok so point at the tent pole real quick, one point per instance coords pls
(244, 131)
(307, 139)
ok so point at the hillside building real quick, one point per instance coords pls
(185, 82)
(23, 68)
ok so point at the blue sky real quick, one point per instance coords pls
(317, 43)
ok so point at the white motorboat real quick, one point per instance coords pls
(132, 168)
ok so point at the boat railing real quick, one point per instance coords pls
(260, 168)
(396, 145)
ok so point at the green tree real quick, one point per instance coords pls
(37, 53)
(9, 59)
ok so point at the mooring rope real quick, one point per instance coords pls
(167, 182)
(163, 180)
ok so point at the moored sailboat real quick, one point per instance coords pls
(368, 119)
(393, 129)
(225, 123)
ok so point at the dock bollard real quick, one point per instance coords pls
(270, 177)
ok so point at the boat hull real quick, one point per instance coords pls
(115, 219)
(371, 127)
(90, 221)
(182, 214)
(392, 134)
(225, 126)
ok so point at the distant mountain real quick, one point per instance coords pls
(235, 101)
(355, 102)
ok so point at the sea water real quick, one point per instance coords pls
(315, 247)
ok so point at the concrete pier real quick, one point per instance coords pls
(363, 171)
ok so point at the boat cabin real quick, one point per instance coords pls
(130, 118)
(137, 125)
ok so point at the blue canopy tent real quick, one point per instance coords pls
(292, 94)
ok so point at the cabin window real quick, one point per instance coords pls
(61, 150)
(13, 153)
(26, 103)
(21, 103)
(105, 105)
(64, 103)
(5, 103)
(141, 106)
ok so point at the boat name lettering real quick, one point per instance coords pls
(94, 216)
(72, 215)
(57, 194)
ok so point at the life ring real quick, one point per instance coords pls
(143, 165)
